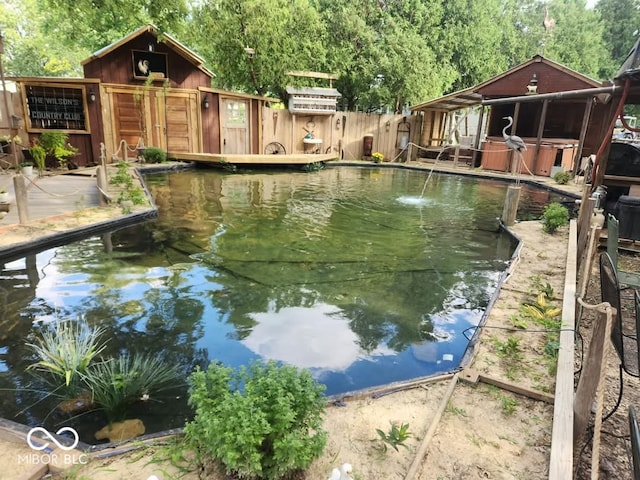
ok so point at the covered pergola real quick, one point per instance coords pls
(552, 108)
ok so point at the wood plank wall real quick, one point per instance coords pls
(342, 129)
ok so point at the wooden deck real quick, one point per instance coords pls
(220, 159)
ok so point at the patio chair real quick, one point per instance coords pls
(623, 337)
(635, 442)
(630, 279)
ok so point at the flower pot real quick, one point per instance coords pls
(27, 171)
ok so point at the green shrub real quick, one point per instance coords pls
(554, 216)
(563, 177)
(154, 155)
(260, 422)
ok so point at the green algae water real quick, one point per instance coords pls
(348, 272)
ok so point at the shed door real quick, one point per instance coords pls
(156, 118)
(182, 122)
(235, 126)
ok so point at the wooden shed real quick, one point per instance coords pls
(555, 127)
(148, 90)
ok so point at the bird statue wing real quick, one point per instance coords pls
(335, 474)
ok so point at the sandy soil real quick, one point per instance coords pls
(460, 429)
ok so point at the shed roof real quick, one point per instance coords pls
(473, 95)
(167, 39)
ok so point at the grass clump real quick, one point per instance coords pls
(65, 351)
(117, 383)
(259, 422)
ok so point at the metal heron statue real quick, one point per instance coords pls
(514, 143)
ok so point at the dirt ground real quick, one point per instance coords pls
(460, 429)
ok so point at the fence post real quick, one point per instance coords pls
(22, 202)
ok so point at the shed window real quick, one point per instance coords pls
(56, 108)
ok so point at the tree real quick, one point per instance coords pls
(29, 51)
(381, 51)
(94, 24)
(576, 40)
(620, 20)
(282, 35)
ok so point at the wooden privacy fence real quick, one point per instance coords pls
(342, 132)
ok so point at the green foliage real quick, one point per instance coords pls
(129, 192)
(56, 144)
(122, 176)
(313, 167)
(554, 216)
(396, 437)
(509, 404)
(117, 383)
(541, 311)
(154, 155)
(39, 155)
(260, 422)
(65, 351)
(509, 349)
(563, 177)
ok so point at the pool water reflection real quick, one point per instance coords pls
(328, 271)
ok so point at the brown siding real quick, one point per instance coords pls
(255, 126)
(550, 80)
(211, 124)
(117, 66)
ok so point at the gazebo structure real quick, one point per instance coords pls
(540, 96)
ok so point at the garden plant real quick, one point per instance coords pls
(261, 422)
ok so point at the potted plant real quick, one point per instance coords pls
(26, 168)
(377, 157)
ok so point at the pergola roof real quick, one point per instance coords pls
(471, 96)
(453, 101)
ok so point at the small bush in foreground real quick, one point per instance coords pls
(554, 216)
(154, 155)
(260, 422)
(563, 177)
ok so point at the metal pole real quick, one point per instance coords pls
(586, 92)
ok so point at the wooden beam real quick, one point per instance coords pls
(471, 376)
(262, 159)
(561, 458)
(583, 133)
(326, 76)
